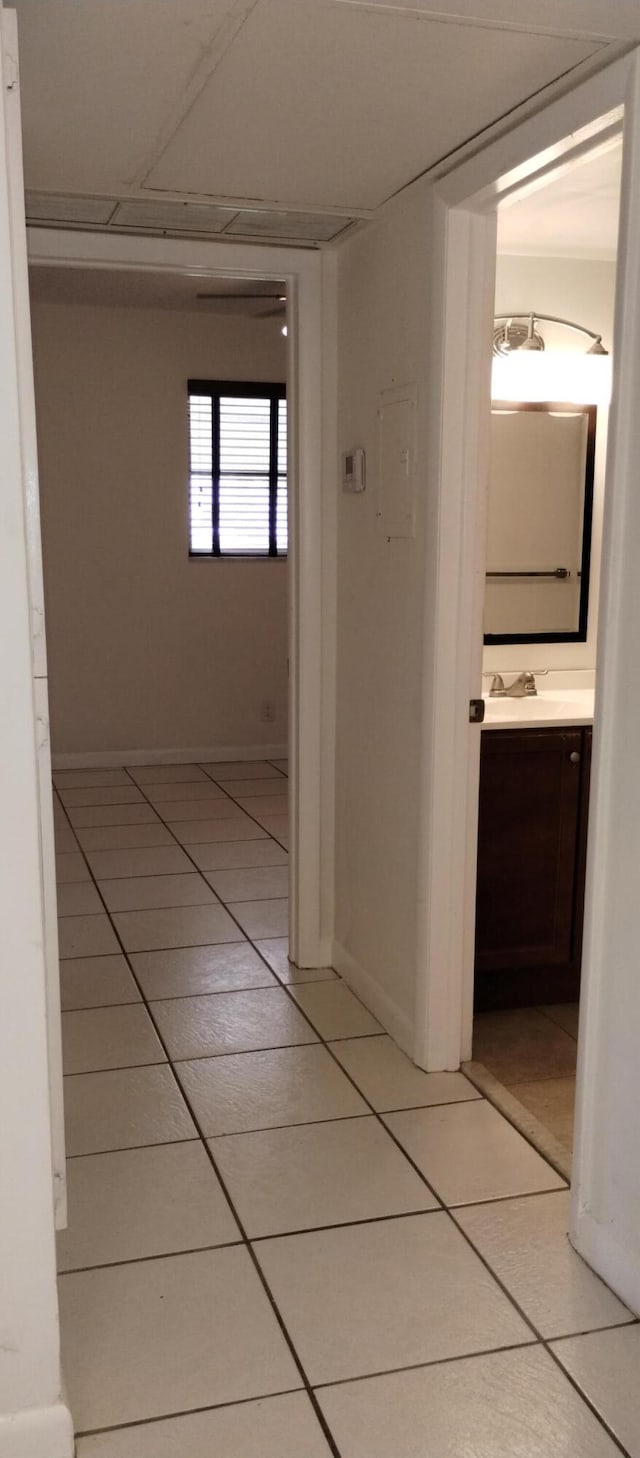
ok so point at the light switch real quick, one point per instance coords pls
(353, 471)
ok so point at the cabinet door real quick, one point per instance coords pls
(528, 867)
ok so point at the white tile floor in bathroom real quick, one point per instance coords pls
(285, 1241)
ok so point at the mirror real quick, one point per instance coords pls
(539, 522)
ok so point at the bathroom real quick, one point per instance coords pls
(551, 384)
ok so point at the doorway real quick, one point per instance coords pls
(465, 225)
(162, 418)
(308, 280)
(551, 389)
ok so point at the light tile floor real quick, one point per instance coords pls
(532, 1052)
(285, 1241)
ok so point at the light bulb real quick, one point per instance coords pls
(568, 378)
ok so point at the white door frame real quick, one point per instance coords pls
(310, 280)
(464, 222)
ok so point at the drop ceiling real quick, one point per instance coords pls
(287, 119)
(573, 216)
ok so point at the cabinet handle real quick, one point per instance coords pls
(574, 757)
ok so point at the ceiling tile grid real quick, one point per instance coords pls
(341, 106)
(274, 119)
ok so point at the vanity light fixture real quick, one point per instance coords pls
(518, 331)
(524, 370)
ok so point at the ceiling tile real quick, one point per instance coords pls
(40, 207)
(307, 227)
(317, 105)
(99, 80)
(175, 217)
(564, 17)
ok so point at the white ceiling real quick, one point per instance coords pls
(255, 107)
(573, 216)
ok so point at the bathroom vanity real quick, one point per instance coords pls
(532, 837)
(536, 745)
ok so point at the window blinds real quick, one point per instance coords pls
(238, 470)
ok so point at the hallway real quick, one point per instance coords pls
(284, 1239)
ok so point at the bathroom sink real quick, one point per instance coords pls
(548, 706)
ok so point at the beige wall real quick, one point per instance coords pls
(383, 343)
(147, 649)
(384, 604)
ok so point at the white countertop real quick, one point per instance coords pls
(549, 707)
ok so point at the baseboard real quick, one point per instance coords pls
(42, 1432)
(393, 1019)
(210, 754)
(618, 1268)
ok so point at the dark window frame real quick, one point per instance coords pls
(248, 389)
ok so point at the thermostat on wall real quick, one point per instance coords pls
(353, 477)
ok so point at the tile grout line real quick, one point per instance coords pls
(424, 1366)
(538, 1339)
(236, 801)
(210, 1154)
(124, 1148)
(419, 1172)
(307, 1123)
(255, 1263)
(148, 1003)
(245, 1241)
(158, 1255)
(538, 1336)
(185, 1412)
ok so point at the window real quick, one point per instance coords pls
(238, 469)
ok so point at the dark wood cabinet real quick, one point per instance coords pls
(532, 833)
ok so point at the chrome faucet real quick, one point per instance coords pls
(524, 686)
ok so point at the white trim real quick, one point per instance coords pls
(33, 1420)
(451, 762)
(605, 1170)
(330, 592)
(37, 1431)
(311, 424)
(464, 259)
(392, 1018)
(605, 1167)
(542, 142)
(202, 258)
(212, 753)
(31, 494)
(597, 1246)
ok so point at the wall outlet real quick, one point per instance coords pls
(268, 712)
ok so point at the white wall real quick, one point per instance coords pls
(34, 1418)
(384, 280)
(383, 342)
(148, 650)
(582, 290)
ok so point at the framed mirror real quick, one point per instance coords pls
(540, 506)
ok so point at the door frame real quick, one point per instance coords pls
(310, 276)
(464, 239)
